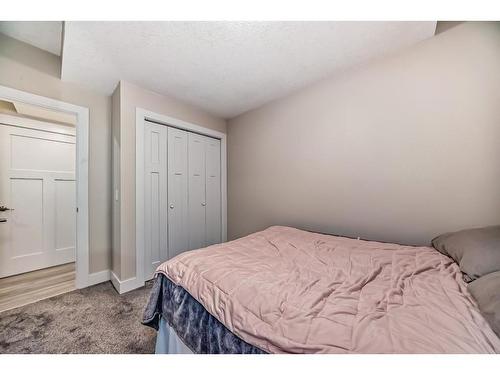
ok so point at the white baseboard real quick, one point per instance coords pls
(125, 285)
(99, 277)
(85, 281)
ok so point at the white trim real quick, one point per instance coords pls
(167, 120)
(142, 115)
(125, 285)
(115, 281)
(27, 123)
(99, 277)
(82, 157)
(223, 187)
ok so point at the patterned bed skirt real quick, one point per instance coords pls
(198, 330)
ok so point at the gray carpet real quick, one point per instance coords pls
(91, 320)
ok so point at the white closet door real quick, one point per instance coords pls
(196, 190)
(213, 192)
(155, 187)
(177, 191)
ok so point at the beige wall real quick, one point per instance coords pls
(30, 69)
(400, 149)
(132, 96)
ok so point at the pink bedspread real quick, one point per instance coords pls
(289, 291)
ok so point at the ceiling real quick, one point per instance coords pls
(46, 35)
(226, 68)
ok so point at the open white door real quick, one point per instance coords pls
(37, 190)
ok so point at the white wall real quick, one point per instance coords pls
(30, 69)
(399, 149)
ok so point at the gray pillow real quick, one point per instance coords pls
(477, 251)
(486, 291)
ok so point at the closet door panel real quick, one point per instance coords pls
(196, 190)
(177, 191)
(155, 199)
(213, 192)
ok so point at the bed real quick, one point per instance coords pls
(284, 290)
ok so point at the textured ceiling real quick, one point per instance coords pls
(45, 35)
(226, 68)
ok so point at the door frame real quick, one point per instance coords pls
(141, 116)
(82, 158)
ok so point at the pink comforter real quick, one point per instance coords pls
(289, 291)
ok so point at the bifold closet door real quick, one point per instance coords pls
(155, 200)
(177, 191)
(196, 190)
(213, 192)
(182, 185)
(204, 191)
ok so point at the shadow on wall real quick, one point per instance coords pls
(28, 55)
(442, 26)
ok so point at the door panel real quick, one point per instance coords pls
(155, 196)
(65, 206)
(33, 165)
(213, 192)
(177, 191)
(42, 154)
(156, 221)
(27, 219)
(196, 188)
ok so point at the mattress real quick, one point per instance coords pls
(284, 290)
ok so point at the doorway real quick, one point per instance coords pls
(43, 192)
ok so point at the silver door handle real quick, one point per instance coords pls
(3, 220)
(203, 204)
(172, 206)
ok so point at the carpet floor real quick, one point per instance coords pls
(91, 320)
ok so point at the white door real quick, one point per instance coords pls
(196, 190)
(37, 184)
(182, 193)
(177, 191)
(205, 220)
(155, 198)
(213, 192)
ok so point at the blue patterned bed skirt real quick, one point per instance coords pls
(194, 326)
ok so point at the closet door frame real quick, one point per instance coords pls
(141, 116)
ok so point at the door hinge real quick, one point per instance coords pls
(77, 210)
